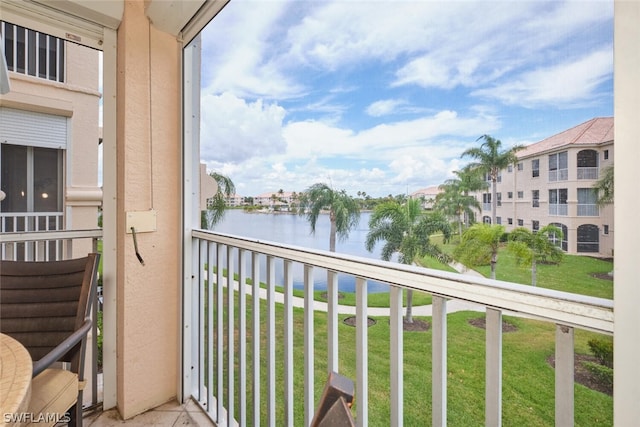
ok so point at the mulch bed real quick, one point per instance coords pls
(416, 326)
(351, 321)
(482, 324)
(582, 374)
(603, 276)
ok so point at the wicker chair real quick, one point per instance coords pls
(46, 306)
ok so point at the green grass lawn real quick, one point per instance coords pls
(528, 380)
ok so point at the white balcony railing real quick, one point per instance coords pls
(588, 209)
(25, 222)
(558, 175)
(558, 209)
(486, 206)
(588, 173)
(222, 341)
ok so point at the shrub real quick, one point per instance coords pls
(603, 351)
(602, 374)
(504, 238)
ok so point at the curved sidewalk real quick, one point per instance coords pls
(422, 310)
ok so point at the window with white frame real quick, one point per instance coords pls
(33, 53)
(558, 202)
(558, 164)
(31, 179)
(535, 168)
(587, 202)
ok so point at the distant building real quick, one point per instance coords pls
(552, 183)
(427, 195)
(275, 199)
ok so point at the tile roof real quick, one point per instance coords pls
(595, 131)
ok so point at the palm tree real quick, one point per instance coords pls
(604, 187)
(471, 180)
(344, 211)
(491, 159)
(215, 209)
(479, 246)
(405, 229)
(530, 248)
(453, 202)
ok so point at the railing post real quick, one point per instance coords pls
(219, 333)
(242, 339)
(439, 361)
(396, 330)
(271, 341)
(564, 376)
(255, 299)
(288, 343)
(493, 381)
(362, 354)
(309, 370)
(230, 337)
(332, 321)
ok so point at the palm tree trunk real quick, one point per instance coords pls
(534, 273)
(494, 261)
(409, 315)
(332, 233)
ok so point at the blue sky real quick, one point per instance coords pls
(383, 96)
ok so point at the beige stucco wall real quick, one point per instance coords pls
(148, 171)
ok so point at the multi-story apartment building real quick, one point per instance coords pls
(552, 183)
(49, 134)
(427, 195)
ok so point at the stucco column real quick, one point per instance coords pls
(148, 172)
(626, 381)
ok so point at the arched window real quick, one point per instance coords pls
(486, 219)
(587, 164)
(588, 238)
(565, 236)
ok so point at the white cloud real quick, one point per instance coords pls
(384, 107)
(233, 130)
(564, 84)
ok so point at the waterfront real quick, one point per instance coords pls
(295, 230)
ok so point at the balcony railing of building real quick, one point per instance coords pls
(65, 240)
(486, 206)
(588, 209)
(31, 250)
(558, 209)
(588, 173)
(558, 175)
(226, 330)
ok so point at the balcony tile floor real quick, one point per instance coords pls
(170, 414)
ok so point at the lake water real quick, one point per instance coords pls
(295, 230)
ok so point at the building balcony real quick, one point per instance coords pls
(486, 206)
(558, 175)
(588, 173)
(558, 209)
(588, 209)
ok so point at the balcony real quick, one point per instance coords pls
(558, 209)
(227, 328)
(558, 175)
(588, 173)
(486, 206)
(588, 209)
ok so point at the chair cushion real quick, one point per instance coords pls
(53, 391)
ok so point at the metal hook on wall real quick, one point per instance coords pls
(135, 245)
